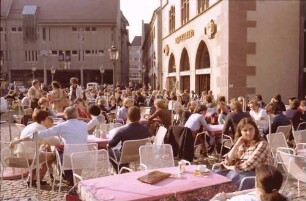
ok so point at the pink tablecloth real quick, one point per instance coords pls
(101, 142)
(127, 187)
(215, 129)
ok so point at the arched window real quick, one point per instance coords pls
(184, 64)
(171, 67)
(202, 58)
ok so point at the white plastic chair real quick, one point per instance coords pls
(226, 141)
(300, 146)
(89, 164)
(299, 136)
(301, 126)
(156, 156)
(275, 141)
(160, 135)
(105, 128)
(294, 165)
(9, 159)
(197, 143)
(284, 129)
(144, 111)
(129, 153)
(20, 127)
(69, 149)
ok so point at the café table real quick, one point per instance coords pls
(60, 114)
(102, 142)
(215, 129)
(128, 187)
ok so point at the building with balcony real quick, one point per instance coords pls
(73, 36)
(233, 47)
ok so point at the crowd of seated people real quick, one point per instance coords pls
(245, 121)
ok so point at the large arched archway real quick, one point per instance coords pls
(202, 58)
(202, 63)
(184, 63)
(184, 66)
(171, 80)
(172, 67)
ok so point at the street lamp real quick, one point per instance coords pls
(33, 70)
(52, 72)
(143, 73)
(102, 72)
(113, 56)
(44, 53)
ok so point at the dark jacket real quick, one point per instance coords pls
(182, 142)
(131, 131)
(279, 120)
(232, 120)
(185, 116)
(295, 116)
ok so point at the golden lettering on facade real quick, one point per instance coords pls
(184, 36)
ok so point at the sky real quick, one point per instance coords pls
(135, 11)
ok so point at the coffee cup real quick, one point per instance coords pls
(201, 168)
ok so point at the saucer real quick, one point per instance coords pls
(201, 173)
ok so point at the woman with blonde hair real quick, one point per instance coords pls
(162, 114)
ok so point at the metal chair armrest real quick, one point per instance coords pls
(244, 180)
(125, 168)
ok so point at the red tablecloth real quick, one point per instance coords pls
(215, 129)
(101, 142)
(127, 187)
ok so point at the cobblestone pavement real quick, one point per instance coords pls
(17, 189)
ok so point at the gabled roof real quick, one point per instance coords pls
(136, 41)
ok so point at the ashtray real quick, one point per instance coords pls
(201, 173)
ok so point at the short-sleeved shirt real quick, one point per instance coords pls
(195, 121)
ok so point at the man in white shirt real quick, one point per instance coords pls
(96, 118)
(72, 131)
(259, 115)
(27, 148)
(196, 120)
(75, 90)
(122, 113)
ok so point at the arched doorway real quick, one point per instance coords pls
(171, 71)
(202, 62)
(171, 66)
(184, 71)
